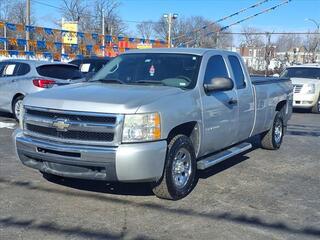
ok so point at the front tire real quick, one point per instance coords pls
(272, 139)
(316, 107)
(179, 176)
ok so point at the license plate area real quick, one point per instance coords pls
(60, 153)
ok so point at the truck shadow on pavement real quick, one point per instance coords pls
(115, 188)
(303, 130)
(214, 215)
(53, 228)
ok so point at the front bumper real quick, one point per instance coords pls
(139, 162)
(304, 100)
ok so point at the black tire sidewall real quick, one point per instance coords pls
(181, 142)
(14, 106)
(277, 117)
(316, 107)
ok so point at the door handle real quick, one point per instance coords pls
(233, 101)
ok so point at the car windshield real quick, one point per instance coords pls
(301, 72)
(161, 69)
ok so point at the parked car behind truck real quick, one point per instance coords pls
(155, 116)
(19, 78)
(306, 86)
(89, 66)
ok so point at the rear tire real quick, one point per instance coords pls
(179, 176)
(16, 107)
(316, 107)
(272, 139)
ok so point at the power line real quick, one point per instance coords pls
(271, 33)
(86, 14)
(242, 20)
(223, 18)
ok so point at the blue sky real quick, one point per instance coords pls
(289, 17)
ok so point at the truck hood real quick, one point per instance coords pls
(99, 97)
(304, 81)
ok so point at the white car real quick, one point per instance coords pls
(306, 83)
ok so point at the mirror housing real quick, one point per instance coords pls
(219, 84)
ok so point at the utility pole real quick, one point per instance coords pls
(169, 17)
(28, 24)
(103, 33)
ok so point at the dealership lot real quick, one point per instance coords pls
(258, 195)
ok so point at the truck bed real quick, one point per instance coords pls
(269, 91)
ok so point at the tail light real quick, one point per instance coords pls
(43, 83)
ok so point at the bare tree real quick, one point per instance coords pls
(251, 38)
(145, 29)
(14, 11)
(77, 10)
(311, 44)
(195, 31)
(113, 23)
(89, 15)
(287, 42)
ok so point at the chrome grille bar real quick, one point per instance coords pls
(73, 127)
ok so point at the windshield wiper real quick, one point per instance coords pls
(109, 81)
(149, 82)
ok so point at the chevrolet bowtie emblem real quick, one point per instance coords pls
(61, 125)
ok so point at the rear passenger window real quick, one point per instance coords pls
(59, 71)
(216, 67)
(9, 70)
(237, 71)
(23, 69)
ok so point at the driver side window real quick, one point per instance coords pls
(216, 67)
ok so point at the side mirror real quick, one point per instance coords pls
(219, 84)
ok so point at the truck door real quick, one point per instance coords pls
(245, 97)
(220, 109)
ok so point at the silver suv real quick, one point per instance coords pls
(19, 78)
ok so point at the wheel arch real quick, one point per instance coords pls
(280, 105)
(14, 98)
(190, 129)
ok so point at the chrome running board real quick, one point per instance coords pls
(221, 156)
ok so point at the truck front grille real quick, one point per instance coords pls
(73, 117)
(75, 135)
(297, 88)
(73, 127)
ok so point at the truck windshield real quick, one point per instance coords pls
(161, 69)
(301, 72)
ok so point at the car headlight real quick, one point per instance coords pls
(308, 89)
(21, 117)
(141, 127)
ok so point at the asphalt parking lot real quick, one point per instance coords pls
(258, 195)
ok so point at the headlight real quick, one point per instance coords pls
(308, 89)
(141, 127)
(21, 117)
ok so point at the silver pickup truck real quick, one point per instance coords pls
(155, 116)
